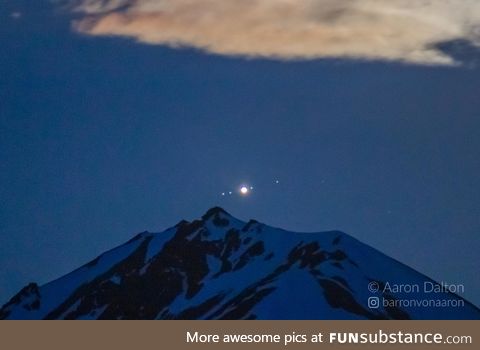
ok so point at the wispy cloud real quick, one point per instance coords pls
(400, 30)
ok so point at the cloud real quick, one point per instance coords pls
(394, 30)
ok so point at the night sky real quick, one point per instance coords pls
(103, 137)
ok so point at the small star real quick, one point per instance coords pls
(16, 15)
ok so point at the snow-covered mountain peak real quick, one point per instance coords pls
(219, 267)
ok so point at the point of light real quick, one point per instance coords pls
(244, 190)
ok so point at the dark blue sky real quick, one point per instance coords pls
(101, 138)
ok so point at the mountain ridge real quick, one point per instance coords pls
(219, 267)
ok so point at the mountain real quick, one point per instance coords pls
(219, 267)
